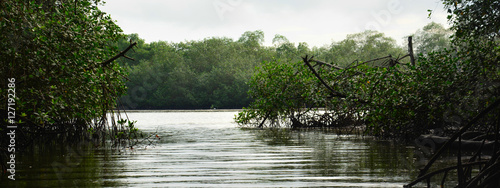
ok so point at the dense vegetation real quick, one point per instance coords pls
(451, 81)
(54, 58)
(453, 88)
(56, 53)
(196, 74)
(215, 72)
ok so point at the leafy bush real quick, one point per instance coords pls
(400, 101)
(55, 50)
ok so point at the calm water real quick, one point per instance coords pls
(206, 149)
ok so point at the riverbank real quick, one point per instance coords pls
(187, 110)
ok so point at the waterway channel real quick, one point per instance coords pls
(207, 149)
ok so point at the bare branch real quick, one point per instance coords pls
(334, 93)
(327, 64)
(121, 54)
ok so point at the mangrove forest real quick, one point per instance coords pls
(69, 75)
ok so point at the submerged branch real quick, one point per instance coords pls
(456, 135)
(444, 170)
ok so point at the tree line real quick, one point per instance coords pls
(215, 72)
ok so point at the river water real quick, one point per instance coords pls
(207, 149)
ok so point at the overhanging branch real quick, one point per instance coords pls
(121, 54)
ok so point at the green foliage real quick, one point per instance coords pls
(285, 90)
(398, 102)
(211, 73)
(141, 51)
(474, 19)
(54, 51)
(252, 39)
(129, 131)
(432, 37)
(362, 46)
(215, 72)
(447, 87)
(443, 90)
(477, 29)
(280, 89)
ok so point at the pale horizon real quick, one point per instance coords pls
(318, 22)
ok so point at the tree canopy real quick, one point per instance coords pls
(58, 54)
(55, 53)
(215, 72)
(432, 37)
(449, 84)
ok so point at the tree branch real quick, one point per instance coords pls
(429, 175)
(334, 93)
(456, 135)
(410, 51)
(122, 53)
(327, 64)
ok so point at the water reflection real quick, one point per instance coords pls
(205, 149)
(79, 165)
(349, 160)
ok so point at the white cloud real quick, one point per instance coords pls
(317, 22)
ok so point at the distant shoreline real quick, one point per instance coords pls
(192, 110)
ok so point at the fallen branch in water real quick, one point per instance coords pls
(456, 135)
(443, 170)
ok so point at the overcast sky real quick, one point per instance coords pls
(317, 22)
